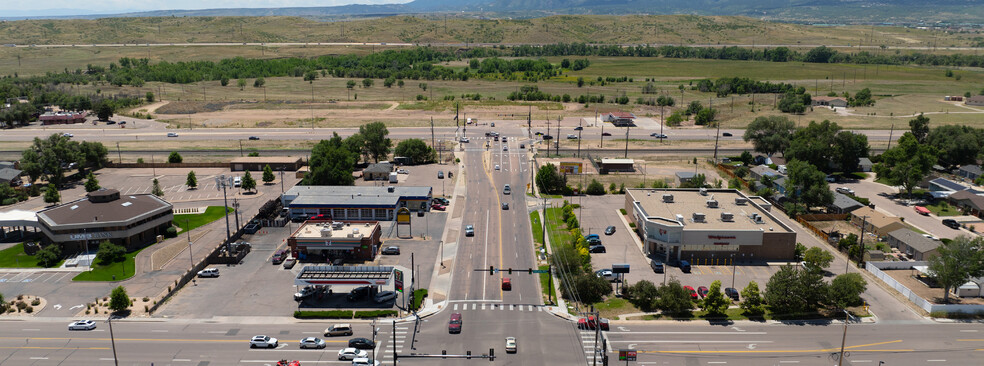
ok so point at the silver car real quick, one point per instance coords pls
(313, 342)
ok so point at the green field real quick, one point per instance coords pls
(121, 270)
(14, 257)
(193, 221)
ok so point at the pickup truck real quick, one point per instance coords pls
(305, 292)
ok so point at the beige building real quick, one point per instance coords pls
(876, 222)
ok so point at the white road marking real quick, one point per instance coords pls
(485, 283)
(180, 360)
(31, 329)
(698, 333)
(159, 330)
(694, 341)
(935, 360)
(789, 362)
(455, 307)
(860, 361)
(969, 330)
(716, 362)
(44, 358)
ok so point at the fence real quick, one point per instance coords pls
(876, 269)
(166, 165)
(812, 228)
(824, 217)
(731, 174)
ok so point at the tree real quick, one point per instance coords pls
(224, 81)
(849, 148)
(715, 303)
(907, 163)
(643, 295)
(770, 135)
(156, 190)
(814, 144)
(268, 176)
(580, 82)
(846, 289)
(388, 82)
(376, 142)
(807, 185)
(673, 299)
(249, 183)
(792, 291)
(595, 188)
(51, 157)
(705, 116)
(548, 180)
(110, 253)
(91, 183)
(104, 111)
(694, 107)
(591, 288)
(350, 84)
(956, 263)
(51, 195)
(919, 127)
(742, 172)
(241, 83)
(698, 181)
(93, 154)
(3, 304)
(417, 150)
(956, 145)
(817, 259)
(174, 158)
(751, 300)
(793, 103)
(331, 164)
(310, 76)
(49, 256)
(119, 300)
(192, 181)
(259, 82)
(367, 82)
(150, 97)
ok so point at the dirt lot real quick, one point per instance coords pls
(845, 228)
(648, 170)
(905, 277)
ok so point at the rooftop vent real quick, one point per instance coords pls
(326, 232)
(668, 198)
(679, 218)
(727, 217)
(741, 201)
(337, 224)
(712, 203)
(698, 217)
(759, 220)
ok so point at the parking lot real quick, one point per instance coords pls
(421, 175)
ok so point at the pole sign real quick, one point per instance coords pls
(398, 279)
(627, 354)
(403, 215)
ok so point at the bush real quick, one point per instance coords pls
(29, 309)
(374, 313)
(36, 302)
(418, 298)
(595, 188)
(109, 253)
(174, 158)
(323, 314)
(171, 232)
(49, 256)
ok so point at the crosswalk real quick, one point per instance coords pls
(390, 344)
(588, 343)
(496, 307)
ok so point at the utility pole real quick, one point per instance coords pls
(597, 321)
(579, 138)
(112, 339)
(717, 137)
(559, 118)
(840, 360)
(118, 153)
(190, 256)
(890, 132)
(627, 140)
(220, 183)
(529, 122)
(847, 266)
(434, 142)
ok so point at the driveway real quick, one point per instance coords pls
(880, 195)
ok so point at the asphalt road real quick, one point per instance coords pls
(881, 196)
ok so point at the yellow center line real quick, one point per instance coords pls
(874, 344)
(852, 348)
(59, 348)
(150, 340)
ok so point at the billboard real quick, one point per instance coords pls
(571, 167)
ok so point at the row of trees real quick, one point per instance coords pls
(333, 160)
(49, 159)
(572, 262)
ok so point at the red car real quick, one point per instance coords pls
(702, 291)
(591, 323)
(506, 284)
(438, 206)
(693, 293)
(454, 325)
(288, 363)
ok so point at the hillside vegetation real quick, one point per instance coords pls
(662, 29)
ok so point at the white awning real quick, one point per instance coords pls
(18, 218)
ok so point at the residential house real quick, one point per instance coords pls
(876, 222)
(684, 177)
(970, 172)
(968, 202)
(762, 160)
(759, 171)
(843, 204)
(977, 100)
(833, 102)
(865, 165)
(379, 171)
(10, 176)
(913, 244)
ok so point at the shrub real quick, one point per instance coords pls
(171, 232)
(595, 188)
(29, 309)
(35, 302)
(323, 314)
(374, 313)
(49, 256)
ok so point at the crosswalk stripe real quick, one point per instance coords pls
(531, 307)
(474, 306)
(455, 307)
(483, 306)
(512, 307)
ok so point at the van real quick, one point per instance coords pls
(338, 330)
(506, 189)
(656, 265)
(685, 266)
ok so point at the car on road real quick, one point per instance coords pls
(172, 134)
(607, 274)
(845, 190)
(951, 223)
(572, 137)
(589, 237)
(361, 343)
(606, 133)
(288, 363)
(726, 134)
(391, 250)
(209, 272)
(656, 265)
(351, 353)
(464, 140)
(254, 137)
(364, 361)
(922, 210)
(279, 256)
(597, 248)
(454, 323)
(578, 128)
(505, 205)
(82, 325)
(439, 207)
(510, 344)
(358, 293)
(547, 137)
(506, 284)
(732, 293)
(506, 189)
(505, 147)
(66, 134)
(591, 323)
(610, 230)
(402, 171)
(262, 341)
(338, 330)
(497, 167)
(440, 174)
(693, 293)
(385, 296)
(469, 230)
(290, 262)
(313, 342)
(522, 146)
(702, 291)
(658, 135)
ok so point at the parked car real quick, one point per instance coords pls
(305, 292)
(685, 266)
(593, 241)
(391, 250)
(358, 293)
(693, 293)
(610, 230)
(339, 330)
(506, 284)
(497, 167)
(845, 190)
(440, 174)
(454, 323)
(922, 210)
(438, 206)
(313, 342)
(442, 200)
(522, 146)
(505, 147)
(254, 137)
(510, 344)
(592, 236)
(172, 134)
(279, 256)
(656, 265)
(547, 137)
(951, 223)
(364, 361)
(209, 272)
(82, 325)
(598, 248)
(263, 341)
(702, 291)
(385, 296)
(237, 181)
(361, 343)
(591, 323)
(290, 262)
(402, 171)
(351, 353)
(732, 293)
(607, 274)
(469, 230)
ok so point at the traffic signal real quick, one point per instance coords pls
(510, 271)
(531, 270)
(468, 355)
(444, 353)
(491, 270)
(491, 354)
(604, 360)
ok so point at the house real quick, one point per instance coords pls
(865, 165)
(9, 175)
(876, 222)
(843, 204)
(616, 165)
(913, 244)
(833, 102)
(620, 119)
(684, 177)
(759, 171)
(977, 100)
(970, 171)
(968, 202)
(942, 188)
(379, 171)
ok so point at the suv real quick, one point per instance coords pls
(656, 265)
(209, 272)
(279, 256)
(454, 325)
(339, 330)
(237, 181)
(506, 189)
(951, 223)
(685, 266)
(469, 230)
(596, 248)
(845, 190)
(263, 341)
(732, 293)
(358, 293)
(305, 292)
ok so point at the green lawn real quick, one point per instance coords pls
(545, 284)
(122, 270)
(615, 306)
(193, 221)
(556, 228)
(14, 257)
(536, 226)
(942, 208)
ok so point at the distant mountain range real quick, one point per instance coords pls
(804, 11)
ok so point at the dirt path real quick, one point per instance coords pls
(849, 112)
(150, 108)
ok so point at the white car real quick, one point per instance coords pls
(364, 362)
(313, 342)
(237, 181)
(845, 190)
(351, 353)
(385, 296)
(66, 134)
(510, 344)
(465, 140)
(402, 171)
(172, 134)
(82, 325)
(496, 167)
(263, 341)
(209, 272)
(572, 137)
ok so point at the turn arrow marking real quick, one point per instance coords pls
(751, 346)
(56, 306)
(632, 345)
(76, 307)
(623, 329)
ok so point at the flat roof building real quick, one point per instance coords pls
(616, 165)
(323, 241)
(355, 203)
(132, 221)
(707, 226)
(256, 163)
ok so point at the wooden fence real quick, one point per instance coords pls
(167, 165)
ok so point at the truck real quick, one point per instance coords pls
(394, 177)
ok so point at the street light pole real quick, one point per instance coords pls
(221, 182)
(190, 257)
(112, 340)
(847, 317)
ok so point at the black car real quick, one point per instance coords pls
(547, 137)
(951, 223)
(578, 128)
(254, 137)
(596, 249)
(610, 230)
(358, 293)
(505, 205)
(391, 250)
(361, 343)
(732, 293)
(442, 200)
(606, 134)
(726, 134)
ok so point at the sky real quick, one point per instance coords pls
(56, 7)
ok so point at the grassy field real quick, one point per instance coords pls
(556, 228)
(193, 221)
(537, 227)
(117, 271)
(14, 257)
(545, 282)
